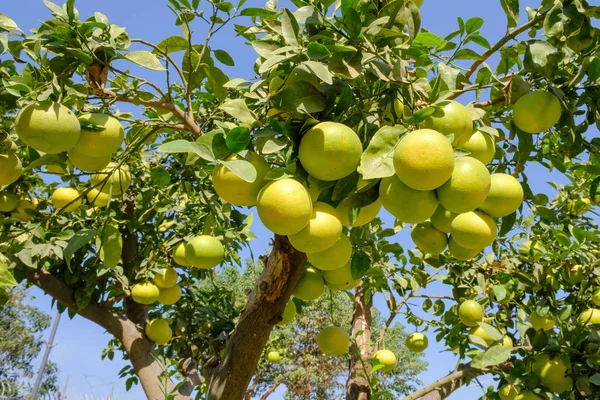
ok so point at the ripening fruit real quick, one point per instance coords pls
(505, 196)
(408, 205)
(387, 358)
(169, 296)
(118, 180)
(553, 373)
(536, 112)
(528, 395)
(424, 159)
(399, 106)
(596, 297)
(144, 293)
(451, 118)
(574, 274)
(95, 142)
(159, 331)
(234, 189)
(417, 342)
(274, 357)
(88, 163)
(507, 341)
(442, 219)
(165, 277)
(310, 286)
(10, 168)
(284, 206)
(508, 392)
(330, 151)
(97, 198)
(48, 127)
(366, 214)
(322, 231)
(333, 341)
(66, 199)
(24, 211)
(481, 146)
(340, 276)
(461, 253)
(334, 257)
(8, 201)
(473, 230)
(178, 255)
(429, 239)
(470, 313)
(526, 253)
(467, 188)
(204, 252)
(546, 322)
(289, 313)
(479, 331)
(591, 316)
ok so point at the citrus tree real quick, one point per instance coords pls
(353, 108)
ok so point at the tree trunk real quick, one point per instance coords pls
(228, 378)
(357, 387)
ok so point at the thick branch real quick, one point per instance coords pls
(229, 378)
(357, 387)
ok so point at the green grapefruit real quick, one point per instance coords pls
(340, 276)
(10, 168)
(442, 219)
(8, 201)
(470, 313)
(204, 252)
(159, 331)
(289, 313)
(546, 322)
(461, 253)
(429, 239)
(591, 316)
(234, 189)
(536, 112)
(527, 253)
(169, 296)
(528, 395)
(178, 255)
(478, 331)
(88, 163)
(104, 139)
(417, 342)
(481, 146)
(112, 179)
(66, 199)
(408, 205)
(334, 257)
(387, 359)
(97, 198)
(310, 286)
(284, 206)
(467, 188)
(322, 231)
(451, 117)
(25, 210)
(333, 341)
(553, 373)
(473, 230)
(274, 357)
(144, 293)
(165, 277)
(505, 196)
(366, 214)
(508, 392)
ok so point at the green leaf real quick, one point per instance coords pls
(6, 278)
(495, 355)
(289, 28)
(80, 239)
(7, 23)
(353, 23)
(473, 24)
(595, 190)
(507, 223)
(347, 64)
(239, 109)
(319, 69)
(300, 97)
(160, 176)
(224, 57)
(172, 44)
(145, 59)
(466, 54)
(427, 39)
(224, 6)
(258, 12)
(217, 80)
(480, 40)
(194, 65)
(511, 9)
(377, 161)
(214, 142)
(242, 168)
(183, 146)
(595, 379)
(317, 51)
(111, 246)
(56, 10)
(491, 332)
(499, 292)
(345, 186)
(4, 297)
(537, 54)
(238, 139)
(360, 264)
(346, 5)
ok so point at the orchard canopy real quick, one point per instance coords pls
(129, 201)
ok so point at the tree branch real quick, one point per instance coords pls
(274, 386)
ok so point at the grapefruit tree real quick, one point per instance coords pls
(353, 108)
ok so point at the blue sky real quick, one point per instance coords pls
(79, 342)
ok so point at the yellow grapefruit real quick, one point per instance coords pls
(429, 239)
(470, 313)
(102, 141)
(467, 188)
(169, 296)
(284, 206)
(451, 117)
(366, 214)
(546, 322)
(387, 359)
(553, 373)
(274, 357)
(66, 199)
(528, 395)
(508, 392)
(333, 341)
(322, 231)
(591, 316)
(481, 146)
(417, 342)
(536, 112)
(234, 189)
(24, 211)
(310, 286)
(204, 252)
(178, 255)
(112, 180)
(88, 163)
(8, 201)
(526, 253)
(461, 253)
(144, 293)
(478, 331)
(334, 257)
(442, 219)
(165, 277)
(289, 313)
(340, 276)
(473, 230)
(97, 198)
(159, 331)
(505, 196)
(10, 168)
(408, 205)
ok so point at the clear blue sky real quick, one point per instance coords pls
(79, 342)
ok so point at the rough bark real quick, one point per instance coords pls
(357, 387)
(229, 377)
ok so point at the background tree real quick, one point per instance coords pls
(370, 66)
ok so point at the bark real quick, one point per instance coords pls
(229, 377)
(357, 387)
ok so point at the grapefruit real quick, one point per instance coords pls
(144, 293)
(451, 117)
(310, 286)
(97, 198)
(340, 276)
(505, 196)
(112, 179)
(481, 146)
(417, 342)
(178, 255)
(478, 331)
(330, 151)
(169, 296)
(546, 322)
(159, 331)
(536, 112)
(467, 188)
(442, 219)
(461, 253)
(165, 278)
(88, 163)
(507, 341)
(234, 189)
(48, 127)
(591, 316)
(470, 313)
(333, 341)
(553, 373)
(429, 239)
(8, 201)
(408, 205)
(528, 395)
(473, 230)
(24, 211)
(508, 392)
(284, 206)
(596, 297)
(424, 159)
(10, 168)
(322, 231)
(574, 274)
(274, 357)
(334, 257)
(366, 214)
(527, 253)
(289, 313)
(66, 199)
(387, 359)
(102, 141)
(204, 252)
